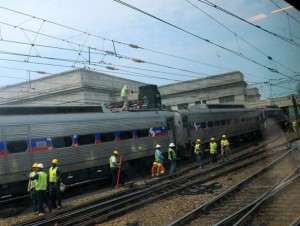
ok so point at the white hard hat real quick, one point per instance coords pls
(40, 165)
(171, 145)
(157, 146)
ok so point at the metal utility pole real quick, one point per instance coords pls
(295, 106)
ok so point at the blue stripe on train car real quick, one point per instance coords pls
(158, 131)
(194, 126)
(117, 136)
(75, 140)
(97, 138)
(135, 136)
(41, 144)
(2, 149)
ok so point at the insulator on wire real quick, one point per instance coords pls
(134, 46)
(111, 68)
(137, 60)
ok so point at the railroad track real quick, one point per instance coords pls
(103, 210)
(271, 210)
(228, 207)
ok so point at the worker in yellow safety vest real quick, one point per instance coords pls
(54, 182)
(40, 188)
(114, 168)
(213, 150)
(31, 188)
(225, 150)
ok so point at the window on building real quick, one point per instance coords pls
(17, 146)
(86, 139)
(210, 124)
(61, 142)
(203, 101)
(197, 102)
(182, 106)
(227, 99)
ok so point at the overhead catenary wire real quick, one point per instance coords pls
(81, 46)
(256, 26)
(243, 39)
(222, 47)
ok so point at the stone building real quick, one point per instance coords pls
(76, 87)
(86, 87)
(228, 88)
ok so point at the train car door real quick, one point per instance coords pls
(180, 135)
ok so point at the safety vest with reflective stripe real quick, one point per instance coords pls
(41, 182)
(213, 147)
(52, 174)
(32, 182)
(124, 91)
(172, 153)
(111, 164)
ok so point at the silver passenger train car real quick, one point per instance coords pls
(83, 142)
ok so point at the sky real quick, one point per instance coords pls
(177, 40)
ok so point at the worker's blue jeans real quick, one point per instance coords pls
(173, 166)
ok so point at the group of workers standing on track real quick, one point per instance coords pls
(40, 182)
(158, 167)
(213, 147)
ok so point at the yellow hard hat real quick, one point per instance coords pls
(198, 140)
(35, 165)
(212, 138)
(155, 163)
(115, 152)
(224, 136)
(55, 161)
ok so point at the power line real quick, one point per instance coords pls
(259, 27)
(236, 35)
(203, 39)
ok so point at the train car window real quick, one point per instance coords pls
(86, 139)
(142, 133)
(222, 122)
(228, 121)
(217, 123)
(17, 146)
(203, 125)
(210, 124)
(106, 137)
(62, 142)
(126, 135)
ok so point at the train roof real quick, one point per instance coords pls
(38, 110)
(71, 117)
(218, 110)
